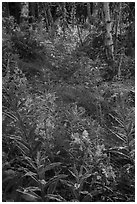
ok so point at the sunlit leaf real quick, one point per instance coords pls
(57, 198)
(29, 196)
(10, 115)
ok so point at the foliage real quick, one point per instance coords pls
(68, 129)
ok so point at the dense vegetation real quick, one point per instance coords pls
(68, 102)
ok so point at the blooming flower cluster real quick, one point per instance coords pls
(80, 138)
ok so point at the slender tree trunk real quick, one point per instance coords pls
(89, 13)
(121, 52)
(24, 12)
(95, 12)
(92, 17)
(5, 9)
(49, 14)
(33, 11)
(116, 20)
(73, 14)
(109, 39)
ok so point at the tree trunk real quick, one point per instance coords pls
(92, 17)
(33, 11)
(119, 26)
(89, 13)
(24, 12)
(47, 14)
(109, 39)
(14, 9)
(50, 19)
(5, 9)
(116, 27)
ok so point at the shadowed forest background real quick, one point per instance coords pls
(68, 102)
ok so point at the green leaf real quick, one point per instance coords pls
(60, 176)
(23, 146)
(58, 198)
(10, 115)
(33, 188)
(73, 174)
(32, 131)
(52, 183)
(67, 183)
(30, 196)
(87, 198)
(121, 137)
(50, 166)
(118, 120)
(85, 176)
(32, 175)
(129, 128)
(30, 162)
(132, 144)
(81, 171)
(52, 186)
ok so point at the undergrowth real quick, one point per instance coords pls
(54, 147)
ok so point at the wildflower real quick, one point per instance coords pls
(76, 138)
(99, 149)
(49, 123)
(85, 136)
(77, 185)
(98, 177)
(109, 173)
